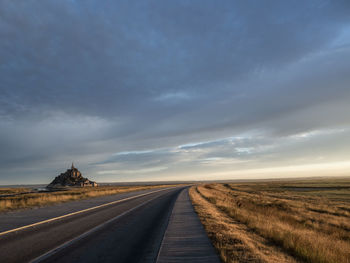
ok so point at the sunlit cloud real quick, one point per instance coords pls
(173, 97)
(133, 171)
(306, 170)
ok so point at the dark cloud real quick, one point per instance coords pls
(85, 80)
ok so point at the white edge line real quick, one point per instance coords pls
(79, 212)
(96, 228)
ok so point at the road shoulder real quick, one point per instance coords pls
(185, 239)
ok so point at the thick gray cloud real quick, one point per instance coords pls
(86, 80)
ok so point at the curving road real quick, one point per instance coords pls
(130, 229)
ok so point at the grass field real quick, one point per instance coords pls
(301, 221)
(28, 200)
(6, 190)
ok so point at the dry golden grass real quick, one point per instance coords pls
(286, 220)
(47, 198)
(5, 191)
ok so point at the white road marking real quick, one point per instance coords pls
(96, 228)
(79, 212)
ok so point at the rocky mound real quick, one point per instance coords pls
(72, 177)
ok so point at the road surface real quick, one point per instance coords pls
(131, 228)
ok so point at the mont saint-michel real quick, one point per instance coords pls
(72, 177)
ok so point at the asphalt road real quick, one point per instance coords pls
(127, 231)
(15, 219)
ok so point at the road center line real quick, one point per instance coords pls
(79, 212)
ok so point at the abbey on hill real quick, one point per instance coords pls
(72, 177)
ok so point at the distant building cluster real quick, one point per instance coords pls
(72, 177)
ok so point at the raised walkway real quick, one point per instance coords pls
(185, 239)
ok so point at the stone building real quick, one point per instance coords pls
(72, 177)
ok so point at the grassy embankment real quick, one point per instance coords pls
(302, 221)
(46, 198)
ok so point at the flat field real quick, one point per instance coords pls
(299, 221)
(19, 198)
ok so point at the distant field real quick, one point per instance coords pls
(8, 190)
(22, 199)
(302, 221)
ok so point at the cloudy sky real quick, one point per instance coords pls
(174, 90)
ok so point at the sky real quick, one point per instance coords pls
(174, 90)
